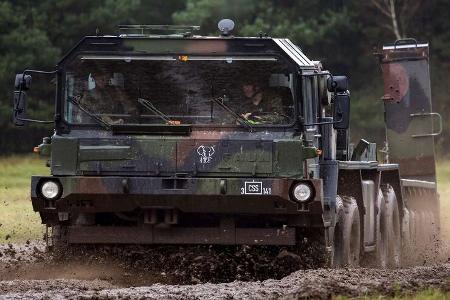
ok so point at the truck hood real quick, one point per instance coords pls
(178, 156)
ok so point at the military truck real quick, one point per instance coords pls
(186, 139)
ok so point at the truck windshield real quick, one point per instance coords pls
(185, 89)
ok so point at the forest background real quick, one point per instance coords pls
(343, 34)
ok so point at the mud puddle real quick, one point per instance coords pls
(310, 284)
(135, 272)
(144, 265)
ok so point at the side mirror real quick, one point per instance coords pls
(341, 111)
(338, 84)
(22, 82)
(19, 109)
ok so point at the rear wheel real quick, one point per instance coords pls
(430, 235)
(347, 235)
(407, 236)
(390, 228)
(378, 258)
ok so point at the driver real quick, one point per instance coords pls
(261, 105)
(107, 99)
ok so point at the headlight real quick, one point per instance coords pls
(50, 190)
(302, 192)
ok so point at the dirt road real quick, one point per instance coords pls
(27, 272)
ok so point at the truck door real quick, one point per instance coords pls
(411, 124)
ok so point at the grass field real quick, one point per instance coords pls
(430, 294)
(443, 175)
(19, 223)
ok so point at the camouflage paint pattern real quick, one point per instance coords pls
(234, 155)
(212, 171)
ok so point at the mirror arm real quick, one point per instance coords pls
(39, 72)
(35, 121)
(27, 71)
(325, 123)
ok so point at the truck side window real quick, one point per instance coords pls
(308, 100)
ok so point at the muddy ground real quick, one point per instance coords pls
(28, 272)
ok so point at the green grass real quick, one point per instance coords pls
(18, 220)
(443, 175)
(429, 294)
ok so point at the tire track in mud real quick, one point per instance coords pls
(28, 272)
(315, 284)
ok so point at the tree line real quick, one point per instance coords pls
(343, 34)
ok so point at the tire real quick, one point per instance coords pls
(435, 230)
(432, 243)
(335, 236)
(57, 239)
(412, 227)
(420, 232)
(331, 250)
(347, 235)
(379, 258)
(407, 238)
(391, 228)
(424, 237)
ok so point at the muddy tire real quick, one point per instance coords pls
(378, 258)
(57, 239)
(347, 236)
(432, 241)
(391, 228)
(407, 236)
(412, 255)
(412, 226)
(435, 230)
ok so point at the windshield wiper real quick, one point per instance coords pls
(76, 102)
(239, 118)
(147, 104)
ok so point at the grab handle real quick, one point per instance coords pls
(432, 114)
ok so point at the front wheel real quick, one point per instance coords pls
(56, 237)
(347, 237)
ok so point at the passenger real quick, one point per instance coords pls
(261, 105)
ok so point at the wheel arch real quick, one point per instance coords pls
(350, 184)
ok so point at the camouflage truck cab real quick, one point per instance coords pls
(184, 139)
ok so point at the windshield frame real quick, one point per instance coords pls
(293, 69)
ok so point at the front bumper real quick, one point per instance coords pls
(230, 199)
